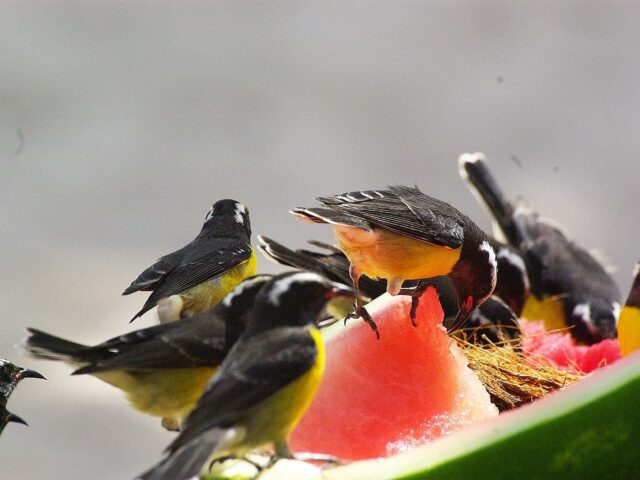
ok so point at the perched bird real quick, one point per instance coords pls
(10, 376)
(492, 321)
(200, 274)
(264, 385)
(163, 369)
(402, 234)
(569, 287)
(629, 320)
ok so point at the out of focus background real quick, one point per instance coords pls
(121, 123)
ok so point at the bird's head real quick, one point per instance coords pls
(473, 278)
(228, 215)
(594, 320)
(295, 299)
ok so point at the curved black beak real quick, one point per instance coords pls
(13, 418)
(465, 310)
(28, 373)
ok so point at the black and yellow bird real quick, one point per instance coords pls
(569, 287)
(629, 320)
(162, 369)
(493, 321)
(10, 376)
(402, 234)
(264, 385)
(199, 275)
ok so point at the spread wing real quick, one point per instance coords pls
(404, 210)
(254, 370)
(201, 340)
(198, 264)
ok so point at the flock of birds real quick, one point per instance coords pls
(237, 356)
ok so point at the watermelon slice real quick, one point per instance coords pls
(560, 350)
(381, 397)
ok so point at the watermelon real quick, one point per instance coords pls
(381, 397)
(560, 350)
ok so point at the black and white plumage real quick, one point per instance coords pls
(558, 267)
(10, 376)
(403, 234)
(222, 245)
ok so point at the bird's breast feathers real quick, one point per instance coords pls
(385, 254)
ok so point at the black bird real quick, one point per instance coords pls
(199, 275)
(402, 234)
(569, 287)
(264, 385)
(163, 369)
(10, 376)
(492, 321)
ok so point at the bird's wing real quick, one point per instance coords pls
(253, 371)
(406, 211)
(155, 274)
(201, 340)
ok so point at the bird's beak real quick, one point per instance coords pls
(463, 314)
(28, 373)
(339, 290)
(12, 417)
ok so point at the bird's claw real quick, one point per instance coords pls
(361, 312)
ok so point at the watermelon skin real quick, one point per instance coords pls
(381, 397)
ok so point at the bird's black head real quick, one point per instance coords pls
(592, 321)
(227, 217)
(11, 374)
(474, 276)
(294, 299)
(237, 305)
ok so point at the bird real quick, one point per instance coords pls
(403, 234)
(265, 383)
(492, 322)
(200, 274)
(569, 287)
(629, 320)
(10, 376)
(163, 369)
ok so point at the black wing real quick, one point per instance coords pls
(199, 341)
(200, 263)
(255, 369)
(406, 211)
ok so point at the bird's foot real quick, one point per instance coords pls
(415, 293)
(361, 312)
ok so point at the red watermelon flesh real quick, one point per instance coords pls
(380, 397)
(560, 350)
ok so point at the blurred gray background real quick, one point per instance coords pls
(120, 124)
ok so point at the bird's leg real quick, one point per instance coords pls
(319, 457)
(360, 311)
(259, 468)
(415, 293)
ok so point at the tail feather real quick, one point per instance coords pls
(44, 345)
(187, 461)
(474, 170)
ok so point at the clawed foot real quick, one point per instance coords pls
(415, 293)
(361, 312)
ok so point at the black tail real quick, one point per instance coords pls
(474, 170)
(187, 461)
(43, 345)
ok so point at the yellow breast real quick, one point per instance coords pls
(208, 294)
(161, 393)
(629, 329)
(548, 309)
(384, 254)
